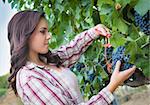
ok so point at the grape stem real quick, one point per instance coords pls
(105, 55)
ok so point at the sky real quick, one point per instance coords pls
(6, 14)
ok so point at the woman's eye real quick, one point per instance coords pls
(43, 32)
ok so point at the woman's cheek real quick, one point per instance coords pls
(43, 49)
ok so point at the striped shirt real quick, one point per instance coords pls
(40, 85)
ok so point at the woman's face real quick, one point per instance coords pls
(38, 42)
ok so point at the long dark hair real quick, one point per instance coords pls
(20, 29)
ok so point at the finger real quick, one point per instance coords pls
(117, 67)
(108, 35)
(107, 29)
(132, 70)
(104, 32)
(129, 71)
(103, 29)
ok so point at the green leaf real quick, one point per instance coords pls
(69, 31)
(77, 12)
(84, 25)
(133, 32)
(59, 1)
(47, 10)
(51, 18)
(142, 6)
(9, 1)
(13, 4)
(132, 49)
(144, 64)
(101, 71)
(120, 25)
(106, 20)
(141, 40)
(80, 78)
(46, 1)
(105, 9)
(59, 7)
(20, 4)
(117, 39)
(85, 2)
(87, 88)
(101, 2)
(95, 82)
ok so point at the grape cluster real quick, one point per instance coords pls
(89, 74)
(109, 51)
(119, 54)
(143, 22)
(79, 66)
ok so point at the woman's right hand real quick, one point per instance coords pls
(118, 77)
(101, 30)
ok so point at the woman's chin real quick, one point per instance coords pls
(44, 51)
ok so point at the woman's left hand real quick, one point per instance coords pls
(101, 30)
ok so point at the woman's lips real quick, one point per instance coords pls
(46, 43)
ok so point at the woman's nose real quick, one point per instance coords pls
(49, 35)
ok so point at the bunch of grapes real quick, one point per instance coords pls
(79, 66)
(109, 51)
(119, 54)
(143, 22)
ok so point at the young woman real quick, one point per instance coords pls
(41, 77)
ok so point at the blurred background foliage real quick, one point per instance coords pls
(3, 84)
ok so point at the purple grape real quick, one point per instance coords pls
(119, 54)
(143, 22)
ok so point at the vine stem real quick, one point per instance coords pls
(138, 38)
(145, 45)
(106, 40)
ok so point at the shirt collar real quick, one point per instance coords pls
(30, 65)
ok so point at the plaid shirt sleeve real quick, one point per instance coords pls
(71, 52)
(40, 92)
(104, 97)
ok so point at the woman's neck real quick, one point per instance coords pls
(34, 57)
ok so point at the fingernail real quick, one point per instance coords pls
(134, 66)
(118, 61)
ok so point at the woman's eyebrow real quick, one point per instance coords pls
(43, 28)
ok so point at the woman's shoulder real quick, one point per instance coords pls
(31, 70)
(25, 70)
(23, 74)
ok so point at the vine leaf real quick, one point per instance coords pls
(142, 6)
